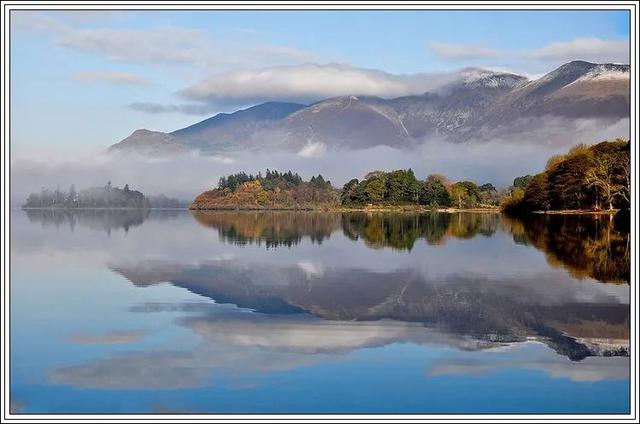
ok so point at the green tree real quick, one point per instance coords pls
(402, 186)
(465, 194)
(349, 192)
(522, 181)
(375, 189)
(434, 194)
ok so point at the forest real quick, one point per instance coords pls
(591, 178)
(401, 187)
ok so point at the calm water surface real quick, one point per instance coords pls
(169, 311)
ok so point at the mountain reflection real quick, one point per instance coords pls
(575, 320)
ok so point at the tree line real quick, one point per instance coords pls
(594, 177)
(402, 187)
(95, 197)
(270, 180)
(273, 190)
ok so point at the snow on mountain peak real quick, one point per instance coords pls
(477, 78)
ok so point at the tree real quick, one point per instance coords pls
(609, 176)
(348, 195)
(567, 188)
(465, 194)
(536, 195)
(522, 181)
(126, 188)
(375, 189)
(434, 194)
(487, 187)
(514, 203)
(402, 186)
(586, 177)
(72, 197)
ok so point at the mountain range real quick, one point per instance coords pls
(479, 105)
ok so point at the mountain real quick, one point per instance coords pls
(575, 90)
(223, 129)
(480, 104)
(347, 121)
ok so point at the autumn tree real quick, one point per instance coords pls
(609, 175)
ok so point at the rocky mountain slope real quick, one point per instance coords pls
(479, 105)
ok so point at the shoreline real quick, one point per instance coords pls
(98, 209)
(337, 209)
(578, 212)
(342, 209)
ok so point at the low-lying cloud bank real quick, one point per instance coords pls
(186, 175)
(291, 83)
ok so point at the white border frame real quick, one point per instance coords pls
(8, 6)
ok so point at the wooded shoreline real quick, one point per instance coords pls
(368, 209)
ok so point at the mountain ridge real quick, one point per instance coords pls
(479, 103)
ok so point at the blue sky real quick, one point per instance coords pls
(88, 79)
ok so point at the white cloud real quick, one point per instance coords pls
(110, 77)
(309, 82)
(313, 150)
(540, 60)
(37, 22)
(589, 49)
(167, 45)
(462, 51)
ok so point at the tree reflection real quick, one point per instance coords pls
(378, 230)
(276, 228)
(400, 231)
(97, 219)
(595, 246)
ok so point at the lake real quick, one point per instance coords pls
(285, 312)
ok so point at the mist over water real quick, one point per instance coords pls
(506, 155)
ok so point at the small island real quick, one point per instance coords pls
(273, 190)
(105, 197)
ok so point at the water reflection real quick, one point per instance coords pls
(241, 344)
(586, 246)
(106, 220)
(211, 302)
(401, 230)
(277, 228)
(575, 321)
